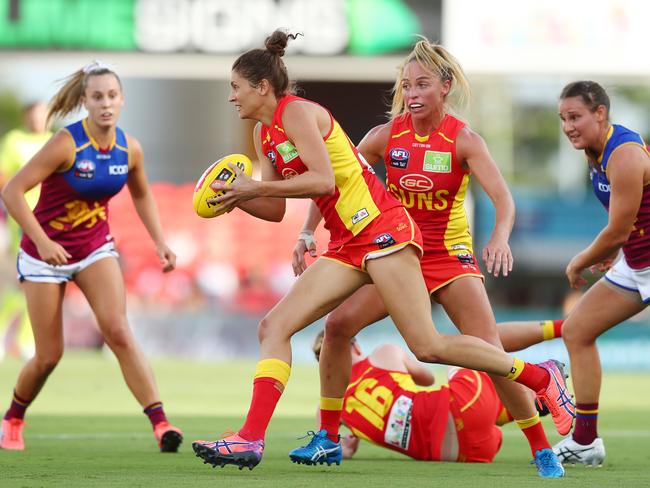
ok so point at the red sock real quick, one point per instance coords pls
(329, 421)
(534, 377)
(266, 394)
(536, 437)
(557, 327)
(156, 413)
(17, 408)
(586, 429)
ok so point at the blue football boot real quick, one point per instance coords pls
(319, 450)
(547, 463)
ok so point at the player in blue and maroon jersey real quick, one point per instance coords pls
(619, 168)
(67, 238)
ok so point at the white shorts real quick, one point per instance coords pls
(32, 269)
(634, 280)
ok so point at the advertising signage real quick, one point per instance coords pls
(211, 26)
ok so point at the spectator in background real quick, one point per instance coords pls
(619, 168)
(67, 237)
(16, 148)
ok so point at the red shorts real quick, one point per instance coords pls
(475, 407)
(440, 269)
(390, 232)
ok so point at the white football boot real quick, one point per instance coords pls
(569, 451)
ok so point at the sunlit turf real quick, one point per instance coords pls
(86, 430)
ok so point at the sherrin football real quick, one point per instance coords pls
(218, 171)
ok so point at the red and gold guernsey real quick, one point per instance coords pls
(359, 196)
(423, 172)
(389, 409)
(73, 205)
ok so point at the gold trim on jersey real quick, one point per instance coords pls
(451, 141)
(442, 285)
(92, 140)
(338, 261)
(421, 138)
(610, 132)
(479, 389)
(457, 230)
(82, 147)
(355, 197)
(617, 148)
(395, 136)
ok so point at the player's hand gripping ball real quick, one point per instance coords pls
(218, 171)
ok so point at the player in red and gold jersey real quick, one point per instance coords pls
(304, 153)
(429, 156)
(391, 402)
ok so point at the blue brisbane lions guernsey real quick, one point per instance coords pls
(73, 206)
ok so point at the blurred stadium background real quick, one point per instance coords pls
(174, 58)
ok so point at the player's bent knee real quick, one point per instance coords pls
(336, 329)
(47, 362)
(266, 329)
(577, 337)
(119, 337)
(427, 354)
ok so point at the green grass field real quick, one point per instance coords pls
(85, 429)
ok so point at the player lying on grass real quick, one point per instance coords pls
(390, 401)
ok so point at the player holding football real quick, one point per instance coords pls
(66, 238)
(429, 156)
(304, 153)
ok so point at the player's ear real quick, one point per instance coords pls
(264, 86)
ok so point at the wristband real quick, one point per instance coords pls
(308, 238)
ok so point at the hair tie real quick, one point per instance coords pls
(96, 65)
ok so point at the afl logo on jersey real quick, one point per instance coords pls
(399, 158)
(288, 173)
(416, 183)
(84, 169)
(272, 157)
(384, 240)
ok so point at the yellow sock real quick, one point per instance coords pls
(327, 403)
(516, 369)
(548, 331)
(526, 423)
